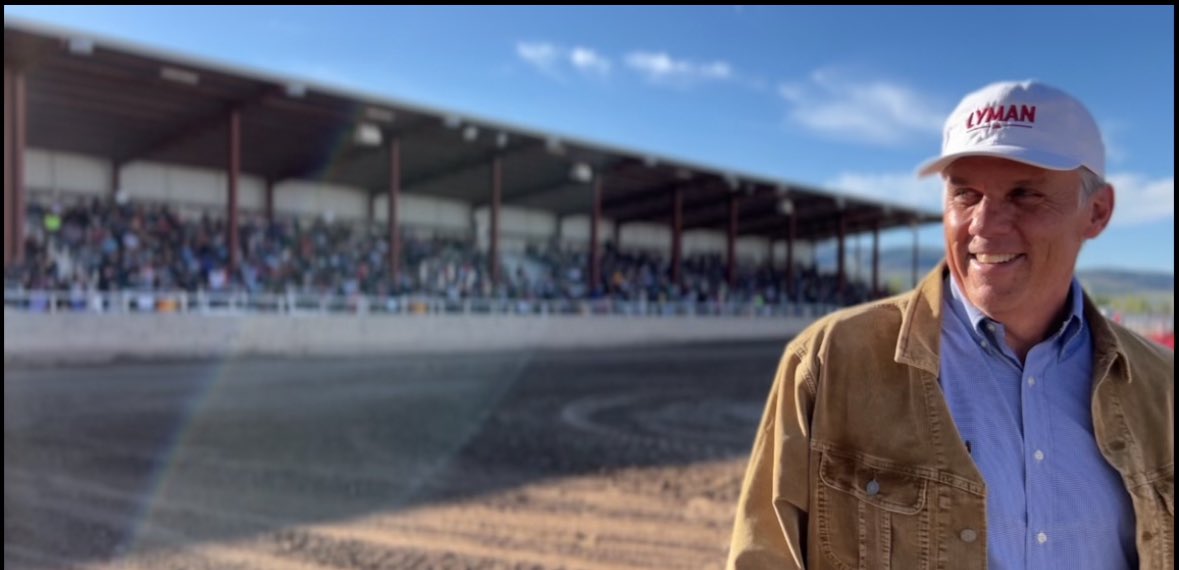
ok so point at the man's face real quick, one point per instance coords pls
(1013, 233)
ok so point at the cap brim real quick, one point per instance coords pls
(1047, 161)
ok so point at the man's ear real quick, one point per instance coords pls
(1101, 208)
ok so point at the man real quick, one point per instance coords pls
(992, 417)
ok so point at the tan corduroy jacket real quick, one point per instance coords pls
(858, 464)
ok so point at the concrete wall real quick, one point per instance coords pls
(518, 227)
(76, 338)
(575, 231)
(415, 210)
(804, 255)
(648, 237)
(67, 173)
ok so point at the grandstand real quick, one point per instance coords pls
(132, 169)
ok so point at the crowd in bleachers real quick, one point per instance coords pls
(104, 245)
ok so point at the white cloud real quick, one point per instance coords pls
(1140, 200)
(792, 92)
(552, 59)
(663, 69)
(870, 112)
(588, 61)
(900, 188)
(716, 70)
(540, 55)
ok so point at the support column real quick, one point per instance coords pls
(269, 201)
(857, 271)
(558, 234)
(792, 229)
(393, 225)
(841, 287)
(595, 269)
(732, 242)
(496, 196)
(17, 121)
(677, 236)
(876, 259)
(8, 223)
(116, 178)
(233, 172)
(913, 224)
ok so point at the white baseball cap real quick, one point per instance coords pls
(1025, 121)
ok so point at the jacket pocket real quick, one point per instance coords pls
(871, 514)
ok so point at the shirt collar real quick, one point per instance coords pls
(981, 324)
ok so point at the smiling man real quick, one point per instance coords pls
(992, 416)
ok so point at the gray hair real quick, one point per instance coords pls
(1090, 183)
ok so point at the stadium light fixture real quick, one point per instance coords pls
(379, 115)
(683, 174)
(470, 133)
(178, 75)
(581, 172)
(80, 46)
(452, 121)
(554, 146)
(650, 161)
(786, 207)
(368, 134)
(296, 90)
(501, 140)
(733, 182)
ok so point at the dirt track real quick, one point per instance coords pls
(610, 459)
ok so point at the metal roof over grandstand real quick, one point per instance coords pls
(105, 98)
(74, 92)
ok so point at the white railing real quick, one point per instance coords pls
(294, 304)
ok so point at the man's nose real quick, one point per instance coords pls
(991, 217)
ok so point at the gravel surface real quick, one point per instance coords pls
(589, 459)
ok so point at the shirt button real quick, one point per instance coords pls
(991, 327)
(1039, 455)
(1031, 380)
(984, 344)
(968, 535)
(873, 488)
(1041, 538)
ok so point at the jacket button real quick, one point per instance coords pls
(968, 535)
(873, 488)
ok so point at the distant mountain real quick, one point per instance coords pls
(1118, 282)
(896, 264)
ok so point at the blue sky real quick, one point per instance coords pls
(846, 98)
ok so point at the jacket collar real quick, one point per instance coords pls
(919, 339)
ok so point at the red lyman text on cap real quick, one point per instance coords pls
(1010, 116)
